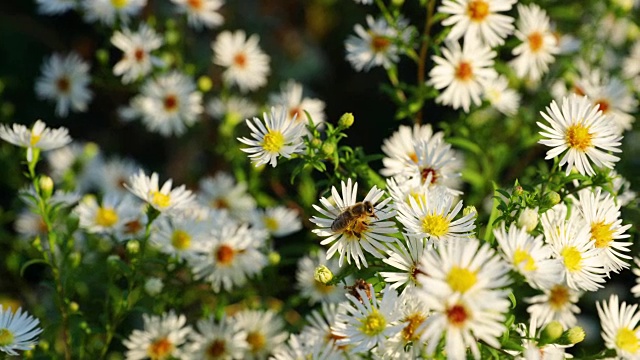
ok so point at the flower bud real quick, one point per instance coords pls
(551, 332)
(204, 83)
(323, 275)
(74, 306)
(274, 258)
(528, 219)
(551, 198)
(133, 246)
(470, 210)
(46, 186)
(153, 286)
(328, 149)
(518, 190)
(346, 120)
(572, 336)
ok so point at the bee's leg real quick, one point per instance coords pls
(357, 234)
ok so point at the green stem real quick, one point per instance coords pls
(424, 47)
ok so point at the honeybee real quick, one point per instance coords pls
(354, 219)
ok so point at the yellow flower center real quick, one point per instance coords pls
(322, 288)
(271, 223)
(119, 4)
(373, 324)
(578, 137)
(478, 10)
(457, 315)
(536, 40)
(602, 234)
(379, 43)
(216, 349)
(572, 258)
(520, 256)
(181, 240)
(273, 141)
(464, 71)
(558, 297)
(106, 217)
(6, 337)
(160, 200)
(627, 340)
(34, 138)
(225, 254)
(240, 60)
(413, 323)
(160, 349)
(461, 279)
(256, 341)
(435, 225)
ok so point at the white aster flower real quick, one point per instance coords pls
(167, 104)
(221, 192)
(462, 73)
(278, 221)
(402, 191)
(351, 234)
(581, 130)
(478, 20)
(244, 62)
(162, 337)
(434, 218)
(218, 340)
(404, 256)
(557, 303)
(76, 163)
(55, 7)
(614, 100)
(399, 148)
(301, 347)
(110, 216)
(264, 332)
(107, 11)
(539, 44)
(368, 322)
(65, 80)
(311, 288)
(320, 324)
(529, 256)
(179, 236)
(18, 331)
(631, 64)
(38, 137)
(113, 174)
(414, 315)
(201, 12)
(620, 329)
(29, 225)
(232, 109)
(277, 137)
(291, 97)
(501, 97)
(374, 46)
(137, 60)
(533, 350)
(602, 216)
(636, 271)
(230, 254)
(163, 199)
(621, 188)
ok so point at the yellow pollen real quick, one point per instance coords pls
(271, 223)
(181, 240)
(256, 341)
(520, 256)
(34, 138)
(160, 349)
(464, 71)
(413, 323)
(435, 225)
(160, 200)
(106, 217)
(558, 297)
(536, 40)
(602, 234)
(572, 258)
(373, 324)
(6, 337)
(379, 43)
(478, 10)
(461, 279)
(627, 340)
(273, 141)
(578, 137)
(119, 4)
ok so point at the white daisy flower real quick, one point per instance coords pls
(529, 256)
(620, 330)
(110, 216)
(319, 326)
(300, 347)
(557, 303)
(232, 109)
(631, 64)
(621, 189)
(602, 216)
(218, 340)
(404, 256)
(244, 62)
(230, 254)
(276, 137)
(290, 96)
(635, 290)
(201, 13)
(38, 137)
(374, 46)
(402, 191)
(615, 101)
(167, 104)
(65, 80)
(179, 236)
(29, 225)
(478, 20)
(18, 331)
(438, 165)
(314, 290)
(501, 97)
(368, 321)
(278, 221)
(163, 199)
(162, 337)
(222, 193)
(107, 11)
(55, 7)
(350, 234)
(414, 316)
(137, 60)
(539, 44)
(400, 150)
(114, 173)
(264, 331)
(581, 130)
(462, 73)
(433, 218)
(533, 349)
